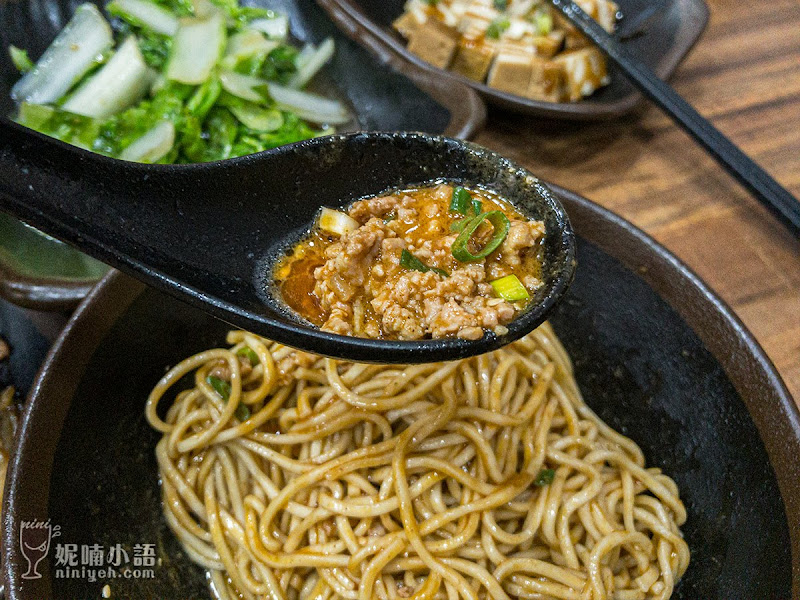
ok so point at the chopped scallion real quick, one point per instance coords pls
(501, 4)
(510, 288)
(242, 412)
(249, 354)
(500, 223)
(497, 28)
(458, 225)
(409, 261)
(477, 206)
(543, 21)
(222, 387)
(460, 201)
(545, 477)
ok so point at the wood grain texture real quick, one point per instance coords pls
(743, 75)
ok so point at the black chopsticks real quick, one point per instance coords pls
(768, 191)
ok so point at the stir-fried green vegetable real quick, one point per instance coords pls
(188, 81)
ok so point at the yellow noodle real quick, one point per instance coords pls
(357, 482)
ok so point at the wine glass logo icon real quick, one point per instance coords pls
(34, 542)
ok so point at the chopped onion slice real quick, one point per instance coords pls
(122, 81)
(245, 44)
(152, 146)
(313, 63)
(149, 14)
(242, 86)
(74, 51)
(276, 28)
(309, 106)
(335, 221)
(197, 48)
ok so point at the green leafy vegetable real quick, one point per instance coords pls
(155, 49)
(203, 77)
(501, 4)
(545, 477)
(510, 288)
(280, 64)
(460, 246)
(409, 261)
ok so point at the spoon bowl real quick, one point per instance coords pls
(209, 233)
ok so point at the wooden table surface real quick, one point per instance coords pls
(743, 75)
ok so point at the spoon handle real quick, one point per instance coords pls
(768, 191)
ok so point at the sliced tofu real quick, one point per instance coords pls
(548, 45)
(584, 71)
(511, 72)
(407, 23)
(435, 43)
(547, 80)
(574, 40)
(476, 18)
(473, 59)
(602, 11)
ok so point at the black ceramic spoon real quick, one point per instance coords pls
(209, 233)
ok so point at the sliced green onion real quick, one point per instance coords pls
(409, 261)
(22, 62)
(242, 412)
(510, 288)
(249, 354)
(459, 225)
(545, 477)
(543, 21)
(460, 200)
(500, 223)
(497, 28)
(501, 4)
(222, 387)
(477, 206)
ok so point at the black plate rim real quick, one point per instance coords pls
(774, 404)
(354, 23)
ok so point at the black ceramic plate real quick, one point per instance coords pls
(385, 92)
(661, 44)
(29, 336)
(657, 355)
